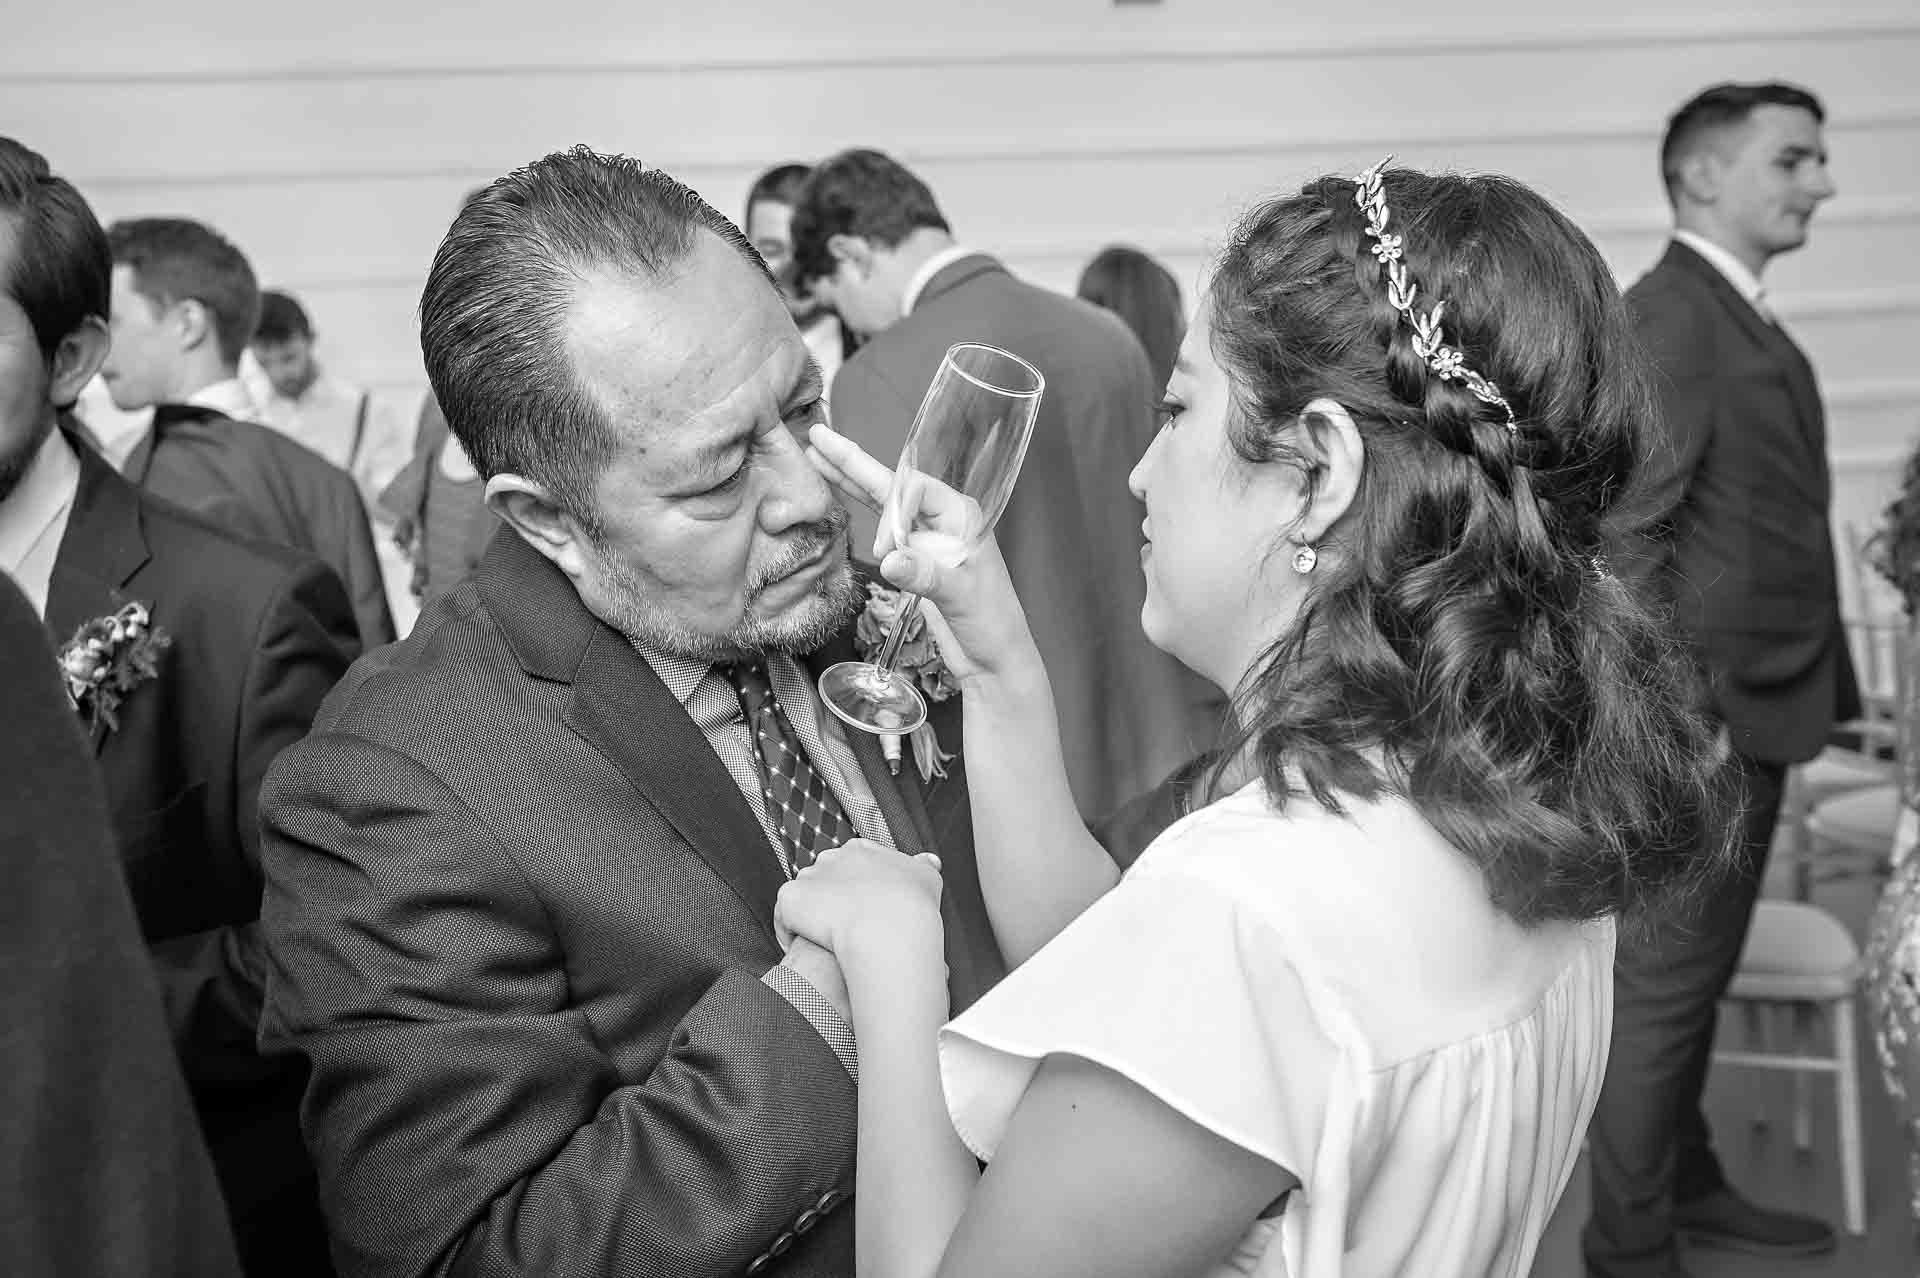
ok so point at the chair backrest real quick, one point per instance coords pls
(1907, 737)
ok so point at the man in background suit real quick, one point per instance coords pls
(184, 306)
(871, 242)
(256, 637)
(1741, 489)
(102, 1168)
(521, 877)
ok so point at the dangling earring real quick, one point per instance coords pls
(1304, 560)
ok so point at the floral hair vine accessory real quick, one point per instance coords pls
(1447, 362)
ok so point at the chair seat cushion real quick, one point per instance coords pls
(1796, 951)
(1835, 771)
(1862, 819)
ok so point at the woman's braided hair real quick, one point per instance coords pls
(1467, 644)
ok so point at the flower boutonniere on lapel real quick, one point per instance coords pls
(918, 657)
(109, 657)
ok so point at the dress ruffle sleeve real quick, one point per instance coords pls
(1174, 985)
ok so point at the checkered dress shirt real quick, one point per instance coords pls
(715, 709)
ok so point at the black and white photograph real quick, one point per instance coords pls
(1074, 639)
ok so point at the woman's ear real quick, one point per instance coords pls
(1332, 435)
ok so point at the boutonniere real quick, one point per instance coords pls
(109, 657)
(919, 657)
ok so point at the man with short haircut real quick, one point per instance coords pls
(184, 306)
(306, 403)
(521, 877)
(252, 636)
(1742, 493)
(871, 242)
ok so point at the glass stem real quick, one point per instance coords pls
(891, 652)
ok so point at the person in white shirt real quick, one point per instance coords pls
(1346, 1017)
(184, 304)
(299, 398)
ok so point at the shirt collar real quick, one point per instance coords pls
(42, 495)
(230, 397)
(928, 269)
(681, 674)
(1744, 281)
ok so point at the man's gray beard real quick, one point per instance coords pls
(799, 630)
(15, 463)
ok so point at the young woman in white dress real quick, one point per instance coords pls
(1350, 1014)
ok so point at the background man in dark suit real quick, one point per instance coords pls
(870, 241)
(257, 637)
(1743, 543)
(521, 878)
(102, 1168)
(184, 306)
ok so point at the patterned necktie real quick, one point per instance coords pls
(809, 818)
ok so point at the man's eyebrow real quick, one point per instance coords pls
(710, 454)
(812, 383)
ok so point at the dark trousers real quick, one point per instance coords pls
(1649, 1143)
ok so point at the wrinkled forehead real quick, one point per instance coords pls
(674, 359)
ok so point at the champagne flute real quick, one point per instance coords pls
(949, 489)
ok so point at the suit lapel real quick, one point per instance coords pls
(622, 709)
(916, 812)
(1771, 338)
(102, 550)
(901, 798)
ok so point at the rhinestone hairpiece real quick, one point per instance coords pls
(1447, 362)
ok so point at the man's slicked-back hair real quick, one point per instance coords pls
(1712, 111)
(861, 192)
(176, 259)
(493, 318)
(61, 272)
(282, 319)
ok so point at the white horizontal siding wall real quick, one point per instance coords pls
(333, 142)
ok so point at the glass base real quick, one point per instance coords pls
(866, 697)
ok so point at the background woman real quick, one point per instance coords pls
(1144, 294)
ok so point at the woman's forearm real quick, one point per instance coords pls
(914, 1173)
(1039, 866)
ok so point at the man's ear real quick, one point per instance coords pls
(1329, 431)
(194, 323)
(540, 521)
(854, 250)
(76, 360)
(1700, 175)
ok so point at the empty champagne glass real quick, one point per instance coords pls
(952, 483)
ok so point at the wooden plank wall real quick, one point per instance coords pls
(334, 141)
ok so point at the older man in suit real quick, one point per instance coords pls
(521, 877)
(1741, 493)
(869, 240)
(255, 636)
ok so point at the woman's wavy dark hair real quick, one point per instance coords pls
(1894, 547)
(1465, 629)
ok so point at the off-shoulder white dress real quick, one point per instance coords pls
(1339, 996)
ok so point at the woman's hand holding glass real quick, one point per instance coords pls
(971, 604)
